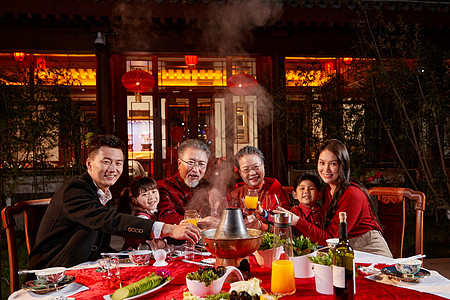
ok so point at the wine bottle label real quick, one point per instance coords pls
(339, 276)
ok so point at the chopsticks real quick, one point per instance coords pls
(402, 260)
(196, 263)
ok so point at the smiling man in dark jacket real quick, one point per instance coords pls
(78, 222)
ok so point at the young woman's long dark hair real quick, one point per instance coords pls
(344, 180)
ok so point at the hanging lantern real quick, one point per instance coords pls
(41, 64)
(329, 66)
(19, 56)
(347, 60)
(138, 81)
(191, 61)
(242, 84)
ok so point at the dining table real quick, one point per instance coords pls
(89, 283)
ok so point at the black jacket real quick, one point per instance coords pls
(76, 227)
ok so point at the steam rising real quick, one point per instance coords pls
(228, 29)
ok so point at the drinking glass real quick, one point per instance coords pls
(190, 216)
(113, 273)
(251, 200)
(104, 266)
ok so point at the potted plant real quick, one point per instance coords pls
(264, 254)
(322, 266)
(303, 249)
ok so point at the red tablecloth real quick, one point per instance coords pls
(365, 289)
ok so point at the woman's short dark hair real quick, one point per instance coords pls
(246, 151)
(105, 141)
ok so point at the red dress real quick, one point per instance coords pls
(359, 217)
(270, 187)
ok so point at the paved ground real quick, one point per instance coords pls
(442, 265)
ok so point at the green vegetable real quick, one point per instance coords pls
(207, 274)
(138, 287)
(322, 258)
(266, 241)
(224, 295)
(303, 246)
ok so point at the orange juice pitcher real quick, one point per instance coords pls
(283, 275)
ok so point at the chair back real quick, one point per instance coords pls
(391, 212)
(288, 189)
(33, 211)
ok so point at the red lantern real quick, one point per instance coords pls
(329, 66)
(347, 60)
(176, 133)
(41, 64)
(19, 56)
(191, 61)
(242, 84)
(138, 81)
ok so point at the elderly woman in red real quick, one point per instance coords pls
(343, 195)
(250, 163)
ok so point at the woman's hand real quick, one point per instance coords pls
(259, 210)
(281, 210)
(251, 221)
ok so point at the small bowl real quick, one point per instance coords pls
(51, 275)
(409, 267)
(140, 257)
(265, 257)
(199, 289)
(332, 242)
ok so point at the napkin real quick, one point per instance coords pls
(435, 284)
(67, 291)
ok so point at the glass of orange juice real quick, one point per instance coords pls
(283, 277)
(251, 200)
(191, 216)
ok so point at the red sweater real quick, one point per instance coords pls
(175, 197)
(359, 217)
(313, 215)
(271, 186)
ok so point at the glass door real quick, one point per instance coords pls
(186, 117)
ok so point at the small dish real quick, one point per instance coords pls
(393, 273)
(37, 287)
(409, 267)
(140, 257)
(332, 242)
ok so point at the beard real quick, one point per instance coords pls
(190, 182)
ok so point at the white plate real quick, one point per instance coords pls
(108, 297)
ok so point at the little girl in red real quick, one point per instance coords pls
(144, 197)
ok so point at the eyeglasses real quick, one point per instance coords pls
(192, 164)
(255, 168)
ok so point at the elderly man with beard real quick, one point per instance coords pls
(186, 189)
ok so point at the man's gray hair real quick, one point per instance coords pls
(193, 143)
(246, 151)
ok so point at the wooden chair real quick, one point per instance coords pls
(33, 211)
(391, 212)
(288, 189)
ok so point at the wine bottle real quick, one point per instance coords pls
(343, 264)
